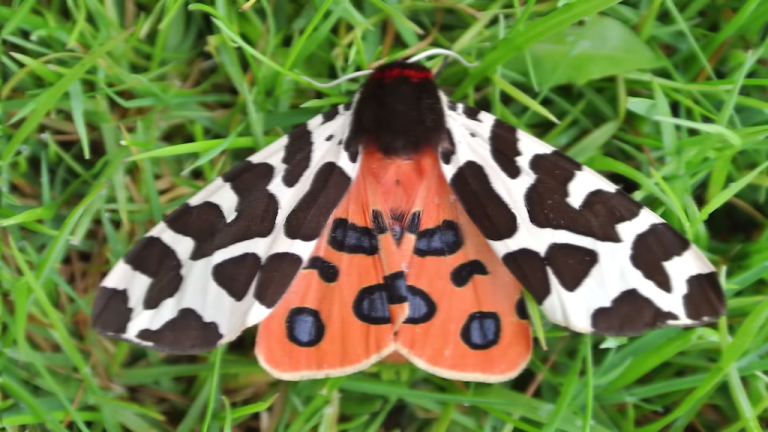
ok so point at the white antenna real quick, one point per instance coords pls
(442, 51)
(417, 57)
(340, 80)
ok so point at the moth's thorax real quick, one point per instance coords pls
(398, 184)
(399, 111)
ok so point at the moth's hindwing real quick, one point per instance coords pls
(592, 257)
(220, 262)
(335, 319)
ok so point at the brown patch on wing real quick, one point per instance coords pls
(236, 274)
(654, 246)
(598, 215)
(110, 311)
(486, 209)
(153, 258)
(630, 313)
(704, 300)
(276, 275)
(256, 212)
(504, 149)
(187, 333)
(310, 215)
(297, 156)
(570, 263)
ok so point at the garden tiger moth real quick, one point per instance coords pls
(406, 223)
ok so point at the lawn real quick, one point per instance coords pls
(113, 113)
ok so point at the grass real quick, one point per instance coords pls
(113, 113)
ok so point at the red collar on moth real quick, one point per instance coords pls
(413, 74)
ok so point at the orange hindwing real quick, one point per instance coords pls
(399, 266)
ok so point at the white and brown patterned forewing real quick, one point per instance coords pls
(592, 257)
(220, 262)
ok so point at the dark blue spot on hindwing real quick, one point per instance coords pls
(310, 215)
(255, 212)
(481, 330)
(326, 270)
(346, 237)
(463, 273)
(442, 240)
(396, 288)
(371, 305)
(421, 307)
(186, 333)
(304, 327)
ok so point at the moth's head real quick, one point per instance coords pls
(399, 110)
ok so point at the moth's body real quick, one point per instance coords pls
(403, 223)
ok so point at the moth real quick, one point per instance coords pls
(405, 223)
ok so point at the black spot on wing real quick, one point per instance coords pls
(330, 114)
(472, 113)
(704, 300)
(485, 207)
(397, 290)
(629, 314)
(308, 218)
(598, 215)
(530, 269)
(481, 330)
(414, 222)
(276, 275)
(153, 258)
(297, 155)
(186, 333)
(379, 224)
(442, 240)
(110, 311)
(447, 149)
(421, 307)
(256, 212)
(326, 270)
(651, 248)
(371, 305)
(347, 237)
(570, 263)
(504, 148)
(236, 274)
(304, 327)
(463, 273)
(522, 309)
